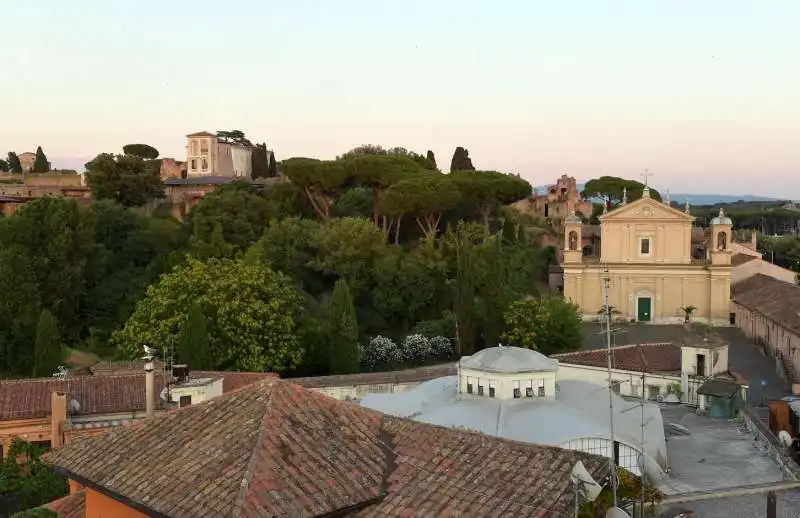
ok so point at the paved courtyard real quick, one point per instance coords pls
(743, 357)
(741, 506)
(715, 455)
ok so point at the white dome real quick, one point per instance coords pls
(721, 219)
(509, 359)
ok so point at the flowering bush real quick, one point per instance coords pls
(416, 348)
(441, 346)
(380, 351)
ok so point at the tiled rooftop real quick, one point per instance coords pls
(776, 300)
(740, 259)
(98, 394)
(277, 449)
(652, 358)
(70, 506)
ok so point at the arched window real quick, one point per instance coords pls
(573, 240)
(722, 241)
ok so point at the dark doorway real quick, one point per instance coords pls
(701, 364)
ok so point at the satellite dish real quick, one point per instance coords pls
(587, 485)
(650, 469)
(785, 438)
(616, 512)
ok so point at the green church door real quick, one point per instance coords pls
(644, 308)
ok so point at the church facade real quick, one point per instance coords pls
(653, 263)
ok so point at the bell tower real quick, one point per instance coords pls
(720, 240)
(573, 250)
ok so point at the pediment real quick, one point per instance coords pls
(646, 209)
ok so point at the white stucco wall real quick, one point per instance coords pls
(241, 161)
(198, 390)
(689, 360)
(630, 382)
(504, 384)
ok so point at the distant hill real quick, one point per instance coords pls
(696, 199)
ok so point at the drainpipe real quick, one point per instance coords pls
(149, 388)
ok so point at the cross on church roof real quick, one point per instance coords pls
(646, 175)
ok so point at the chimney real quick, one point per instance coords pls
(149, 388)
(58, 416)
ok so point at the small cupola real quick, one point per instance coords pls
(508, 373)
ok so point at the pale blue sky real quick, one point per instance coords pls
(706, 94)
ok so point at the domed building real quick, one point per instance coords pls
(515, 393)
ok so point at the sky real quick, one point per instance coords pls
(704, 95)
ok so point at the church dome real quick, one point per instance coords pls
(509, 359)
(721, 219)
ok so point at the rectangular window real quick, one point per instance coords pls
(204, 147)
(185, 401)
(644, 246)
(653, 391)
(469, 388)
(541, 390)
(517, 394)
(491, 391)
(193, 147)
(528, 391)
(480, 390)
(205, 164)
(615, 386)
(194, 165)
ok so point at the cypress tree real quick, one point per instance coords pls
(272, 170)
(193, 346)
(47, 348)
(461, 160)
(260, 161)
(431, 158)
(40, 164)
(14, 164)
(343, 331)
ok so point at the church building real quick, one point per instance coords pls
(654, 264)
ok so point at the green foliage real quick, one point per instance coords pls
(260, 159)
(126, 179)
(461, 245)
(611, 188)
(143, 151)
(783, 251)
(461, 161)
(4, 168)
(47, 349)
(321, 181)
(40, 163)
(488, 190)
(342, 331)
(24, 473)
(629, 491)
(354, 203)
(549, 325)
(251, 311)
(193, 346)
(272, 169)
(14, 164)
(424, 197)
(431, 158)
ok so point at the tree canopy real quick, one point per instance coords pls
(40, 163)
(126, 179)
(143, 151)
(424, 197)
(260, 161)
(252, 314)
(461, 160)
(610, 189)
(14, 165)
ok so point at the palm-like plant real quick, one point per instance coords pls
(687, 313)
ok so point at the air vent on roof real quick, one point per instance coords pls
(180, 372)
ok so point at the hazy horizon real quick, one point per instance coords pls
(704, 95)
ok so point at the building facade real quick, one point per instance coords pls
(561, 199)
(209, 155)
(653, 271)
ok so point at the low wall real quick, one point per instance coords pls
(763, 435)
(356, 386)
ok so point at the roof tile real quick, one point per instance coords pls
(70, 506)
(277, 449)
(652, 358)
(778, 301)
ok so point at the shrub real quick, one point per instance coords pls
(379, 351)
(441, 346)
(416, 348)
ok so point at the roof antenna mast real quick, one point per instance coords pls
(612, 466)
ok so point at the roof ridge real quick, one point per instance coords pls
(241, 496)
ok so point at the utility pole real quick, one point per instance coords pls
(612, 464)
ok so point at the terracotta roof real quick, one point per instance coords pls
(652, 358)
(776, 300)
(122, 366)
(418, 374)
(30, 398)
(277, 449)
(70, 506)
(98, 394)
(739, 259)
